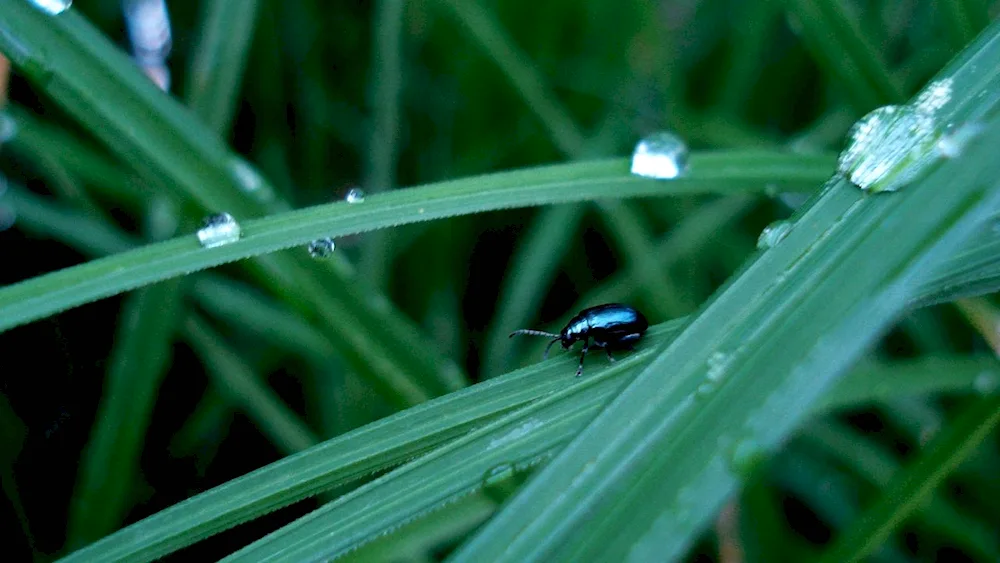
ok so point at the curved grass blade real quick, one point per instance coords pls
(725, 172)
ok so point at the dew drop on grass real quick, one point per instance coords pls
(662, 156)
(891, 146)
(355, 195)
(52, 7)
(218, 230)
(321, 248)
(773, 234)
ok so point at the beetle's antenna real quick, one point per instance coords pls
(530, 332)
(545, 356)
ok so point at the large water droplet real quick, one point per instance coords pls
(355, 195)
(888, 148)
(661, 155)
(52, 7)
(933, 97)
(773, 234)
(321, 248)
(218, 230)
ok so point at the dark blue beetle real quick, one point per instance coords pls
(612, 326)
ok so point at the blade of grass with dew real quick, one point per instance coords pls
(219, 57)
(837, 41)
(709, 173)
(777, 335)
(385, 86)
(379, 445)
(100, 87)
(241, 386)
(375, 447)
(138, 363)
(908, 491)
(877, 466)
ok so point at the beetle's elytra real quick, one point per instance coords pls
(612, 326)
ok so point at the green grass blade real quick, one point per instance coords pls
(711, 172)
(242, 387)
(845, 50)
(219, 58)
(738, 380)
(909, 490)
(140, 359)
(377, 446)
(102, 89)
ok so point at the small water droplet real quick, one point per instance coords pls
(52, 7)
(321, 248)
(661, 155)
(773, 234)
(498, 474)
(218, 230)
(718, 363)
(355, 195)
(888, 148)
(955, 139)
(250, 181)
(986, 383)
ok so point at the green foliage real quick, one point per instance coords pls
(816, 398)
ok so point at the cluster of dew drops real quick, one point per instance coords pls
(222, 228)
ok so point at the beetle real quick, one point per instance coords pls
(609, 326)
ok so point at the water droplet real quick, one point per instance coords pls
(8, 127)
(934, 96)
(250, 181)
(718, 363)
(355, 195)
(498, 474)
(218, 230)
(986, 383)
(888, 148)
(661, 155)
(321, 248)
(773, 234)
(955, 139)
(52, 7)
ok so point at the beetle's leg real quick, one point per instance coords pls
(586, 345)
(607, 350)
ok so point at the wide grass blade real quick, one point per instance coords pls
(643, 479)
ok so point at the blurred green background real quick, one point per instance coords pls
(584, 80)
